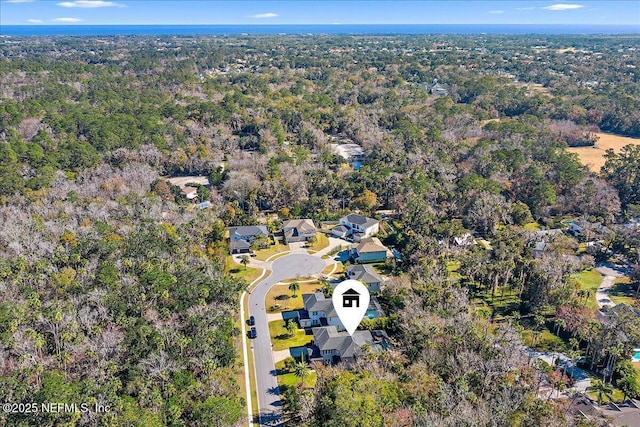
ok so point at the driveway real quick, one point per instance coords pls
(609, 273)
(286, 267)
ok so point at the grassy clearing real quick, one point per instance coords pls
(274, 296)
(593, 157)
(589, 280)
(263, 254)
(286, 378)
(624, 291)
(281, 339)
(532, 226)
(544, 340)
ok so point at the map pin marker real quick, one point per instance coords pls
(351, 300)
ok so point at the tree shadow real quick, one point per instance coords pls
(274, 391)
(271, 418)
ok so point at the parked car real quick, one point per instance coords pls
(253, 333)
(251, 321)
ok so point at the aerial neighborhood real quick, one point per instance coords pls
(324, 225)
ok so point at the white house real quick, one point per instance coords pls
(318, 311)
(358, 226)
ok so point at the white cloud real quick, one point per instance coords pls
(89, 4)
(496, 11)
(67, 20)
(264, 15)
(563, 6)
(524, 8)
(34, 21)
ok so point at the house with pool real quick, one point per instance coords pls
(330, 346)
(319, 311)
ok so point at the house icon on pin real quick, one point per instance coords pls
(349, 298)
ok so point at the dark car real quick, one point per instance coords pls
(253, 333)
(251, 321)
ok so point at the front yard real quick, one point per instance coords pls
(238, 270)
(286, 378)
(281, 339)
(277, 296)
(263, 254)
(322, 241)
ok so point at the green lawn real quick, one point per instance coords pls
(238, 270)
(281, 340)
(289, 379)
(263, 254)
(589, 280)
(545, 341)
(277, 292)
(623, 291)
(532, 226)
(322, 241)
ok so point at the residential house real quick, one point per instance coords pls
(369, 249)
(188, 184)
(586, 229)
(439, 89)
(465, 240)
(542, 240)
(331, 346)
(358, 226)
(318, 311)
(366, 274)
(340, 231)
(298, 230)
(241, 238)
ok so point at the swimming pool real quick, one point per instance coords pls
(636, 356)
(372, 313)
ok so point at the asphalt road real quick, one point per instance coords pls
(286, 267)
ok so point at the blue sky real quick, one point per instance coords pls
(92, 12)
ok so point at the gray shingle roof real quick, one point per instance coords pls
(328, 338)
(361, 220)
(248, 230)
(364, 273)
(318, 302)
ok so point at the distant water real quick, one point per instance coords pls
(185, 30)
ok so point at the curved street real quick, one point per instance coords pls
(286, 267)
